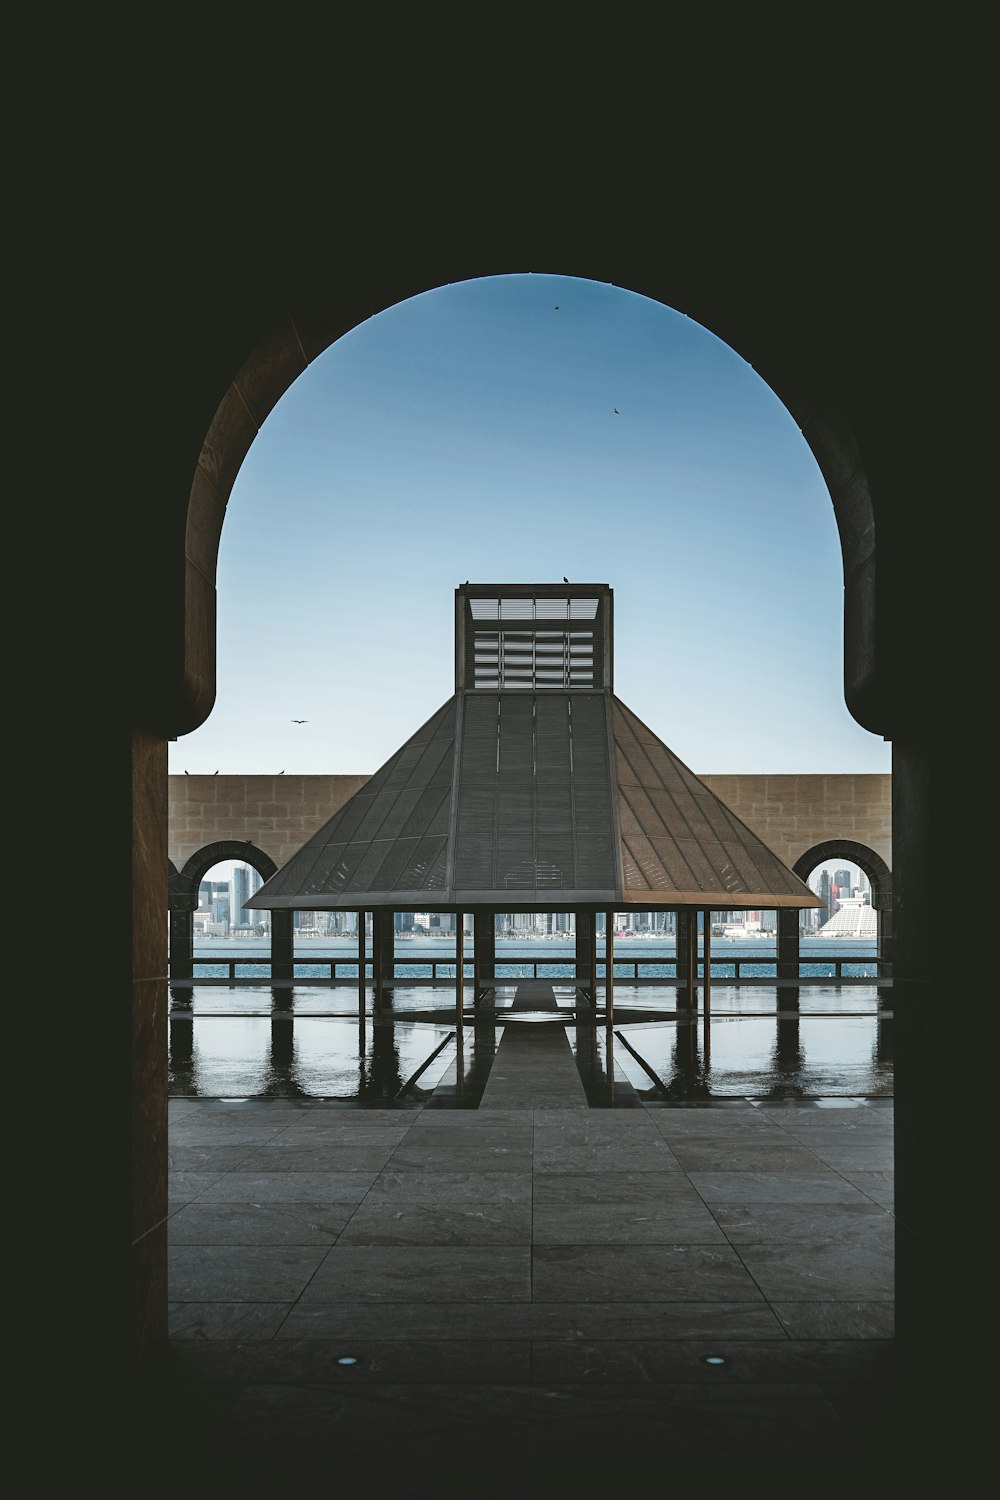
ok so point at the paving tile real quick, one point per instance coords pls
(247, 1136)
(697, 1125)
(880, 1187)
(836, 1320)
(352, 1125)
(677, 1222)
(289, 1187)
(225, 1320)
(606, 1156)
(259, 1223)
(184, 1187)
(856, 1157)
(607, 1273)
(533, 1320)
(857, 1124)
(822, 1270)
(420, 1185)
(779, 1223)
(664, 1360)
(208, 1158)
(625, 1120)
(489, 1121)
(439, 1224)
(481, 1157)
(460, 1136)
(774, 1187)
(319, 1156)
(552, 1188)
(240, 1273)
(378, 1273)
(317, 1362)
(729, 1156)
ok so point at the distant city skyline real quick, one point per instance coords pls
(518, 429)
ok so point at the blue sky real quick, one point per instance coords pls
(470, 433)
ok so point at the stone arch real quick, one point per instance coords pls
(183, 903)
(874, 866)
(879, 876)
(184, 885)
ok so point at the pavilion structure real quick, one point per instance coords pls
(534, 789)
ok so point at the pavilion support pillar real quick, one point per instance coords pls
(686, 941)
(484, 949)
(282, 945)
(378, 949)
(586, 968)
(593, 958)
(181, 947)
(609, 971)
(387, 947)
(460, 1002)
(788, 958)
(707, 962)
(362, 980)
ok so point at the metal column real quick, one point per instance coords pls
(361, 965)
(378, 917)
(282, 944)
(788, 957)
(609, 969)
(593, 959)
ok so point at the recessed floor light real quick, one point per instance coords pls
(347, 1359)
(715, 1359)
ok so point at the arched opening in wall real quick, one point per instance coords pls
(854, 884)
(490, 444)
(212, 936)
(521, 428)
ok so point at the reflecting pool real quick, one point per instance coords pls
(310, 1043)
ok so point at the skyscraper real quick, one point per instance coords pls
(243, 882)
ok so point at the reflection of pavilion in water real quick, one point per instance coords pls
(398, 1061)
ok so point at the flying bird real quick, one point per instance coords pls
(300, 721)
(215, 773)
(617, 412)
(281, 773)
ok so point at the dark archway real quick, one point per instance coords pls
(183, 903)
(880, 878)
(874, 866)
(828, 321)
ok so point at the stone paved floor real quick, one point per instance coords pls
(532, 1277)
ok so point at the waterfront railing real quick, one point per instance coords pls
(842, 968)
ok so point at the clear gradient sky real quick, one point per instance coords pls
(471, 434)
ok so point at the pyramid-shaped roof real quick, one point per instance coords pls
(533, 788)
